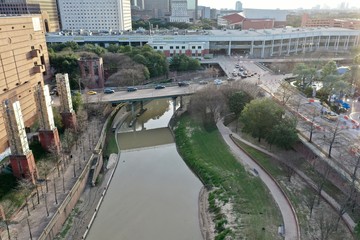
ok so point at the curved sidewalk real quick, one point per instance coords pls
(289, 218)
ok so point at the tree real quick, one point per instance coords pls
(330, 68)
(77, 101)
(285, 91)
(326, 224)
(4, 215)
(25, 188)
(237, 102)
(260, 116)
(181, 62)
(283, 134)
(332, 139)
(310, 200)
(305, 74)
(207, 103)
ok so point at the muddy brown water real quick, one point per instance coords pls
(153, 194)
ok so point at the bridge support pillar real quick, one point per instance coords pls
(181, 101)
(174, 103)
(132, 110)
(142, 106)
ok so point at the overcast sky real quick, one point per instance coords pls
(273, 4)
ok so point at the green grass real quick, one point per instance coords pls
(209, 157)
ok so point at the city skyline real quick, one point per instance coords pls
(278, 4)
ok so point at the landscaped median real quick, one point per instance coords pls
(240, 204)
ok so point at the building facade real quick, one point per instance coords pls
(159, 8)
(24, 64)
(262, 43)
(179, 11)
(91, 15)
(306, 21)
(48, 8)
(238, 6)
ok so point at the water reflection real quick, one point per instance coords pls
(153, 195)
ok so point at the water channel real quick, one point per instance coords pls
(153, 194)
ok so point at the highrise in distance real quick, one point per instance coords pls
(179, 11)
(238, 6)
(160, 8)
(105, 15)
(192, 6)
(48, 8)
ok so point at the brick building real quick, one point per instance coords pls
(24, 64)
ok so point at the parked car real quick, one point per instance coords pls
(91, 93)
(183, 84)
(108, 90)
(159, 87)
(203, 82)
(218, 81)
(131, 89)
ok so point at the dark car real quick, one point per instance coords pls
(159, 87)
(131, 89)
(183, 84)
(109, 90)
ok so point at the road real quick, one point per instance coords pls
(289, 218)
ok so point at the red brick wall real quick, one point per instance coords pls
(258, 24)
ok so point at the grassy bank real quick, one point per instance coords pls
(256, 214)
(299, 194)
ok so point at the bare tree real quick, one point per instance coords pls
(285, 92)
(208, 103)
(310, 200)
(326, 224)
(323, 170)
(4, 215)
(44, 167)
(333, 137)
(25, 188)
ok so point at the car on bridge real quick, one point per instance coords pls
(91, 93)
(159, 87)
(131, 89)
(109, 91)
(183, 84)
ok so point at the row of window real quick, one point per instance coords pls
(193, 55)
(177, 47)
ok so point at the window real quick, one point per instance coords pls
(171, 47)
(161, 47)
(177, 47)
(199, 47)
(155, 47)
(183, 47)
(193, 47)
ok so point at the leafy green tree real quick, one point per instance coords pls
(113, 48)
(260, 116)
(305, 74)
(237, 102)
(283, 134)
(357, 59)
(329, 69)
(77, 101)
(58, 120)
(181, 62)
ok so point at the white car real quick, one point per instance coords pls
(218, 81)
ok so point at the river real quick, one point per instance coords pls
(153, 194)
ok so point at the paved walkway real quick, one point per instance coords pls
(289, 218)
(38, 219)
(346, 218)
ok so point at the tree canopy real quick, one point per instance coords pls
(260, 116)
(181, 62)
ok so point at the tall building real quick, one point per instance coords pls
(48, 8)
(204, 12)
(179, 11)
(24, 64)
(95, 15)
(192, 6)
(238, 6)
(160, 8)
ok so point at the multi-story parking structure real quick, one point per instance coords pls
(256, 43)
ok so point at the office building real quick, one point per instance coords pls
(192, 6)
(48, 9)
(106, 15)
(179, 12)
(160, 8)
(24, 64)
(238, 6)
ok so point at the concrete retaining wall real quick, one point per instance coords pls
(64, 210)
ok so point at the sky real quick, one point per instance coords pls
(274, 4)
